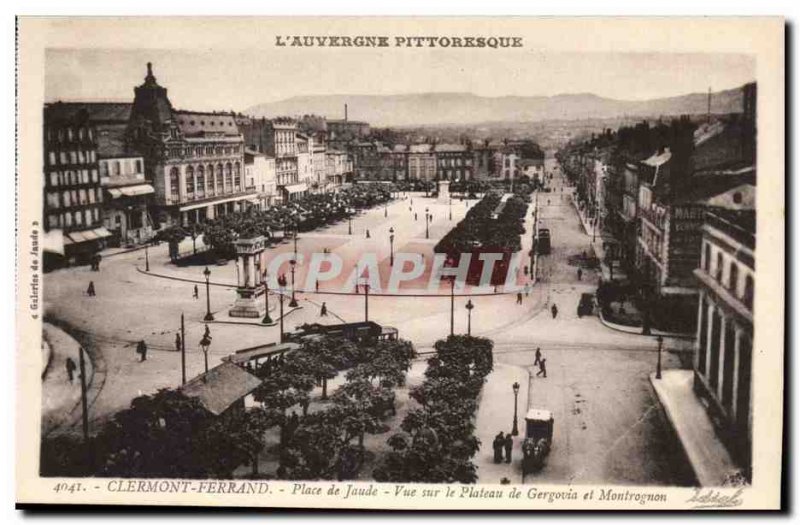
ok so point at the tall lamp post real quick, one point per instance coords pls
(385, 210)
(658, 365)
(365, 284)
(280, 300)
(295, 243)
(293, 302)
(391, 246)
(514, 427)
(205, 342)
(469, 308)
(450, 209)
(146, 259)
(209, 316)
(267, 319)
(452, 304)
(349, 221)
(427, 221)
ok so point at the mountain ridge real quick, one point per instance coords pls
(463, 108)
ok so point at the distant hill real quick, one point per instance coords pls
(466, 108)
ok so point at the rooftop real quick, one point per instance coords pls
(116, 112)
(221, 387)
(198, 123)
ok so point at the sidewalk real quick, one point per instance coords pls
(708, 457)
(60, 397)
(496, 414)
(597, 245)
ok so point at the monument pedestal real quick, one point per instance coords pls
(248, 276)
(444, 191)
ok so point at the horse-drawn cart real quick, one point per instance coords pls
(538, 439)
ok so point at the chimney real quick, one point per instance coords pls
(345, 112)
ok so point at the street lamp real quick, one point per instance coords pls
(293, 302)
(452, 304)
(209, 316)
(391, 246)
(385, 210)
(514, 428)
(427, 220)
(365, 283)
(658, 366)
(295, 241)
(146, 259)
(450, 211)
(349, 222)
(205, 342)
(267, 319)
(469, 308)
(280, 295)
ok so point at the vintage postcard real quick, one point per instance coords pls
(401, 263)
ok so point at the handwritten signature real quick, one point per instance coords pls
(714, 498)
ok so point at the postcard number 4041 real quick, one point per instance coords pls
(68, 487)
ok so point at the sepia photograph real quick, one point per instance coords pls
(401, 263)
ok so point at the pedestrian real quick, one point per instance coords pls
(508, 444)
(178, 345)
(207, 333)
(90, 290)
(196, 293)
(415, 215)
(367, 234)
(497, 446)
(141, 349)
(316, 285)
(554, 311)
(97, 259)
(323, 312)
(519, 297)
(525, 270)
(580, 274)
(542, 368)
(527, 289)
(70, 364)
(538, 356)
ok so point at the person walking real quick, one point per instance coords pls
(97, 259)
(207, 333)
(367, 234)
(70, 365)
(554, 311)
(538, 356)
(196, 293)
(90, 290)
(580, 274)
(497, 446)
(415, 215)
(542, 368)
(323, 312)
(141, 349)
(527, 289)
(508, 445)
(519, 297)
(316, 285)
(178, 342)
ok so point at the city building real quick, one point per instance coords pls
(338, 169)
(421, 162)
(453, 162)
(278, 139)
(319, 182)
(305, 166)
(259, 170)
(724, 343)
(73, 196)
(195, 160)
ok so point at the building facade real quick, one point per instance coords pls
(73, 196)
(724, 343)
(260, 174)
(421, 162)
(453, 162)
(195, 160)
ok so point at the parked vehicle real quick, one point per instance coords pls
(538, 439)
(586, 305)
(543, 242)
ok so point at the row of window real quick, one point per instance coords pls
(206, 179)
(72, 177)
(201, 151)
(69, 134)
(80, 197)
(120, 167)
(78, 156)
(85, 217)
(725, 270)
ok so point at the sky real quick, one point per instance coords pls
(225, 79)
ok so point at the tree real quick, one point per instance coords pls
(326, 356)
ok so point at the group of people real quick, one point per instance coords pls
(542, 362)
(500, 444)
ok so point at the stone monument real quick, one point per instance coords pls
(249, 276)
(444, 191)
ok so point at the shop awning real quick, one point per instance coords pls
(88, 235)
(131, 191)
(296, 188)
